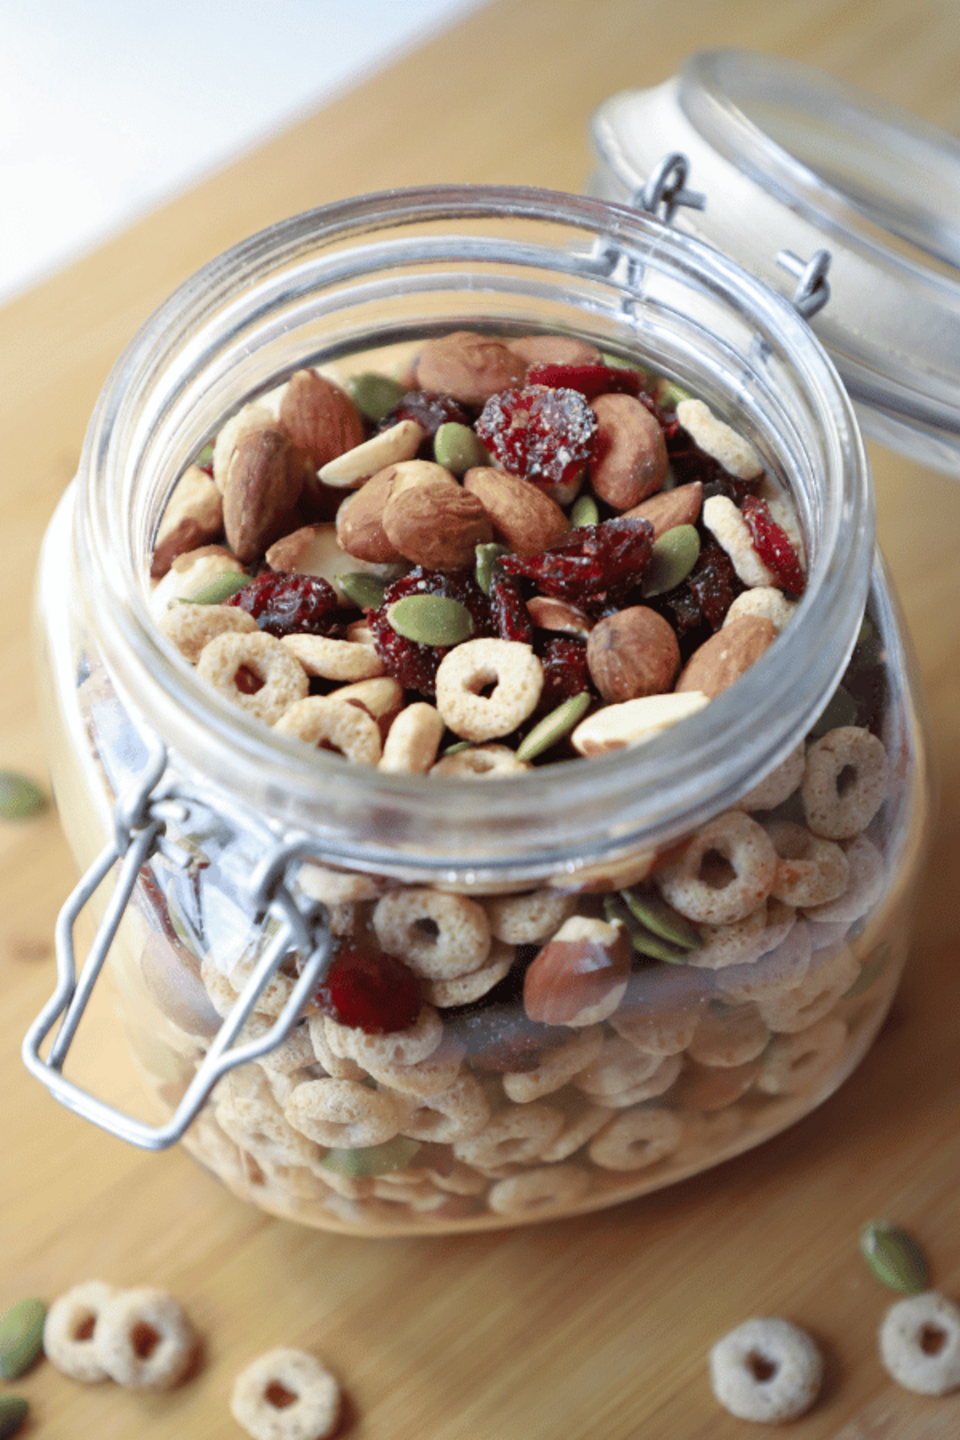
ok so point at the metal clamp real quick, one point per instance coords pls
(813, 291)
(666, 190)
(140, 831)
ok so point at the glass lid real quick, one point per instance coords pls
(789, 158)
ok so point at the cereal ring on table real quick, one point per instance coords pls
(636, 1139)
(867, 877)
(763, 600)
(729, 1036)
(394, 1047)
(331, 659)
(528, 918)
(468, 670)
(731, 532)
(192, 627)
(920, 1343)
(441, 936)
(812, 871)
(556, 1066)
(454, 1114)
(481, 762)
(342, 1114)
(330, 724)
(775, 973)
(143, 1338)
(512, 1137)
(286, 1395)
(801, 1005)
(69, 1328)
(726, 871)
(548, 1188)
(282, 680)
(844, 782)
(766, 1370)
(794, 1064)
(413, 740)
(465, 989)
(780, 784)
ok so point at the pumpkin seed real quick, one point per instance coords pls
(554, 726)
(585, 511)
(668, 394)
(220, 588)
(373, 394)
(458, 448)
(671, 560)
(487, 557)
(206, 455)
(895, 1258)
(13, 1412)
(361, 589)
(20, 797)
(661, 919)
(643, 941)
(21, 1337)
(374, 1159)
(431, 619)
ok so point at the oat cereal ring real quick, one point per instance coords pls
(793, 1064)
(286, 1395)
(331, 724)
(555, 1067)
(340, 1067)
(726, 871)
(724, 520)
(707, 1133)
(69, 1327)
(453, 1115)
(580, 1124)
(482, 762)
(762, 600)
(766, 1370)
(549, 1187)
(661, 1029)
(742, 941)
(824, 984)
(466, 672)
(729, 1036)
(465, 989)
(529, 918)
(192, 627)
(780, 784)
(775, 974)
(144, 1339)
(920, 1344)
(710, 1088)
(636, 1139)
(441, 936)
(282, 680)
(617, 1067)
(395, 1047)
(338, 887)
(813, 871)
(224, 989)
(413, 740)
(342, 1113)
(512, 1137)
(248, 1111)
(332, 659)
(716, 439)
(844, 782)
(423, 1078)
(864, 889)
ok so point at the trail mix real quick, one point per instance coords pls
(515, 554)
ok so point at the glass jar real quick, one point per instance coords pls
(245, 854)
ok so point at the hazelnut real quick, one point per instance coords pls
(632, 654)
(580, 976)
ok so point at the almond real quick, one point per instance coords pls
(432, 521)
(580, 976)
(670, 508)
(631, 455)
(633, 722)
(727, 655)
(632, 653)
(388, 447)
(262, 485)
(193, 517)
(359, 521)
(320, 418)
(523, 517)
(469, 366)
(555, 350)
(549, 613)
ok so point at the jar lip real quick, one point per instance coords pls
(619, 799)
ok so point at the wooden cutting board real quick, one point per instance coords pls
(596, 1328)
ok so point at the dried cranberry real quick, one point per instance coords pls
(593, 566)
(773, 545)
(429, 408)
(565, 672)
(590, 380)
(415, 665)
(370, 991)
(704, 598)
(284, 603)
(508, 610)
(538, 433)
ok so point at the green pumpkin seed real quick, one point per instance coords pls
(458, 448)
(21, 1337)
(374, 1159)
(206, 455)
(870, 973)
(457, 746)
(230, 582)
(661, 919)
(361, 589)
(585, 511)
(487, 557)
(894, 1257)
(668, 394)
(554, 726)
(13, 1412)
(431, 620)
(20, 797)
(671, 560)
(643, 941)
(373, 394)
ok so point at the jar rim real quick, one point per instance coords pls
(621, 800)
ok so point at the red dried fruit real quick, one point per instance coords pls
(285, 603)
(773, 545)
(370, 991)
(565, 672)
(415, 665)
(538, 433)
(593, 566)
(704, 598)
(508, 611)
(589, 380)
(429, 408)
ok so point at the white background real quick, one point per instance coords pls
(109, 106)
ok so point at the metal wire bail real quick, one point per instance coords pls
(813, 291)
(665, 189)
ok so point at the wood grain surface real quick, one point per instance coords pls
(596, 1328)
